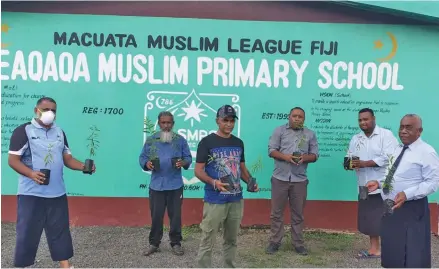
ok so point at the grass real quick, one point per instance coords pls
(325, 249)
(187, 232)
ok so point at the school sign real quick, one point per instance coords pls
(110, 75)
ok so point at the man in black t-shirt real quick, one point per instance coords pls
(220, 164)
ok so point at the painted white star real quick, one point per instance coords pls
(192, 112)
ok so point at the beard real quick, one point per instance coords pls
(166, 136)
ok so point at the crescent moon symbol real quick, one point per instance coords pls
(157, 103)
(394, 48)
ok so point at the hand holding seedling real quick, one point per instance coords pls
(288, 158)
(356, 164)
(372, 185)
(149, 165)
(179, 164)
(399, 200)
(256, 188)
(297, 160)
(93, 168)
(220, 186)
(38, 177)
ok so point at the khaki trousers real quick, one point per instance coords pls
(229, 215)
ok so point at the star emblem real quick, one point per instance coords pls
(378, 44)
(192, 112)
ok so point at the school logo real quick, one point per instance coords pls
(194, 115)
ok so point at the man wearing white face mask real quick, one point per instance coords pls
(38, 152)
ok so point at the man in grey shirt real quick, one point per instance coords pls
(292, 147)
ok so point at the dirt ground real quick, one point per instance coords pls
(122, 247)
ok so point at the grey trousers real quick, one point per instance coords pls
(295, 193)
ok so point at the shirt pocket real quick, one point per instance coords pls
(409, 170)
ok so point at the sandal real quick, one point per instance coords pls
(364, 254)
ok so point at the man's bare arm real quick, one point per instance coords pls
(202, 175)
(280, 156)
(245, 174)
(72, 163)
(15, 163)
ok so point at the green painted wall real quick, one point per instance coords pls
(392, 69)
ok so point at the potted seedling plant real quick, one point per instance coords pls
(300, 148)
(152, 141)
(347, 163)
(347, 159)
(177, 150)
(48, 159)
(254, 169)
(358, 146)
(93, 145)
(221, 167)
(387, 186)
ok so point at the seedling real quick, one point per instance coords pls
(152, 141)
(388, 187)
(176, 149)
(93, 145)
(48, 160)
(344, 143)
(388, 182)
(148, 126)
(222, 168)
(347, 161)
(300, 148)
(254, 169)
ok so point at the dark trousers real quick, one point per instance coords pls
(295, 193)
(159, 201)
(406, 236)
(35, 214)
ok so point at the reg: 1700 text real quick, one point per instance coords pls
(107, 110)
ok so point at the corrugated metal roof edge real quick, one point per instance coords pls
(415, 16)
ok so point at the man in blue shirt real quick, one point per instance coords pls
(220, 165)
(164, 154)
(42, 201)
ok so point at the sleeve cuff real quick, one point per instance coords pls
(409, 194)
(187, 164)
(378, 161)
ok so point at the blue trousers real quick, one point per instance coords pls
(35, 214)
(406, 236)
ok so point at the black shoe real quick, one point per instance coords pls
(272, 248)
(177, 250)
(301, 251)
(151, 250)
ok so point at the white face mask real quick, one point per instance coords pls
(47, 117)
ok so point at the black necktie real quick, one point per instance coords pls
(389, 177)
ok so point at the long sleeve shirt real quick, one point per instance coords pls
(167, 177)
(287, 141)
(377, 147)
(417, 175)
